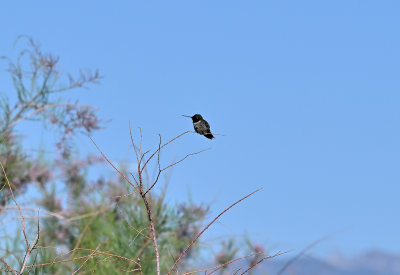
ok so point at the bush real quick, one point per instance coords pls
(104, 225)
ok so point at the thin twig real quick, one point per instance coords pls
(139, 232)
(153, 231)
(301, 253)
(35, 247)
(141, 158)
(62, 261)
(95, 213)
(141, 250)
(216, 268)
(159, 168)
(188, 155)
(19, 208)
(41, 109)
(88, 224)
(53, 214)
(113, 166)
(204, 229)
(140, 191)
(78, 258)
(29, 251)
(137, 183)
(123, 196)
(165, 144)
(8, 266)
(133, 144)
(263, 259)
(217, 134)
(170, 165)
(147, 204)
(28, 104)
(141, 143)
(87, 259)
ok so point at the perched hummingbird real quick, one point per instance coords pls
(201, 126)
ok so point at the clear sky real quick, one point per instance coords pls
(307, 93)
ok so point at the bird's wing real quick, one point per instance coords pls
(207, 125)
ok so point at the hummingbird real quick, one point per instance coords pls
(201, 126)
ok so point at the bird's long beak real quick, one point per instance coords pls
(186, 116)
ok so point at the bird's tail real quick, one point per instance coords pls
(209, 135)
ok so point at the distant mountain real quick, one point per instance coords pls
(370, 263)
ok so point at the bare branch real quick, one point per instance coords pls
(216, 268)
(90, 214)
(113, 166)
(41, 109)
(19, 208)
(133, 144)
(53, 214)
(63, 261)
(162, 146)
(87, 259)
(204, 229)
(139, 233)
(301, 253)
(171, 165)
(142, 156)
(141, 143)
(137, 183)
(97, 252)
(188, 155)
(263, 259)
(8, 266)
(29, 250)
(154, 183)
(82, 234)
(153, 232)
(159, 168)
(35, 97)
(139, 157)
(123, 196)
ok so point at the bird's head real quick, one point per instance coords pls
(195, 118)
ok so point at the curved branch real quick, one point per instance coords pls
(162, 146)
(113, 166)
(204, 229)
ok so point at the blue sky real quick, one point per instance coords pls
(307, 93)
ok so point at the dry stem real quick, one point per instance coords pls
(204, 229)
(96, 252)
(113, 166)
(301, 253)
(263, 259)
(216, 268)
(19, 208)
